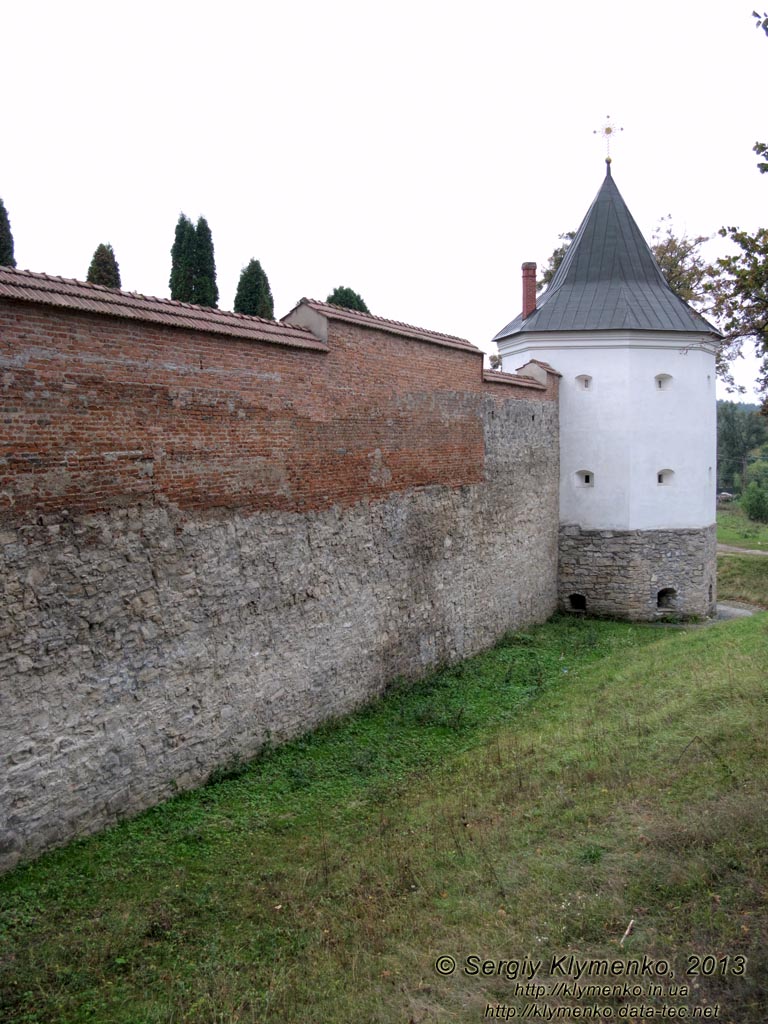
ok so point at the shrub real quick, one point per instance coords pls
(754, 502)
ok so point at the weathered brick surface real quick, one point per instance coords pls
(209, 542)
(620, 573)
(97, 412)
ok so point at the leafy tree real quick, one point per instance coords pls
(758, 469)
(761, 148)
(739, 291)
(754, 502)
(680, 261)
(345, 297)
(193, 270)
(254, 296)
(693, 280)
(104, 268)
(7, 258)
(739, 287)
(740, 429)
(206, 291)
(182, 282)
(555, 260)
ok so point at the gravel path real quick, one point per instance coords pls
(735, 610)
(729, 549)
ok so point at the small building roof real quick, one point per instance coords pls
(609, 280)
(83, 297)
(354, 316)
(520, 379)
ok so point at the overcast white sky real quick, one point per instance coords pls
(414, 150)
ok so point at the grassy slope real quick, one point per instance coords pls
(530, 801)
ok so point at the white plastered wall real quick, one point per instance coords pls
(625, 430)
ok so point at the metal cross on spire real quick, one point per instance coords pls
(607, 131)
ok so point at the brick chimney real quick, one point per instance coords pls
(529, 289)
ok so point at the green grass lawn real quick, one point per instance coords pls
(743, 578)
(528, 802)
(735, 529)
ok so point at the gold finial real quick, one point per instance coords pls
(607, 131)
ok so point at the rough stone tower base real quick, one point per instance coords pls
(641, 575)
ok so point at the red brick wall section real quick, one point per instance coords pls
(98, 412)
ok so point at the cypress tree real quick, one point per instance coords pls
(182, 261)
(345, 297)
(104, 268)
(206, 292)
(7, 258)
(254, 296)
(193, 271)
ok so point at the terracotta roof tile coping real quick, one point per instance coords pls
(498, 377)
(83, 297)
(354, 316)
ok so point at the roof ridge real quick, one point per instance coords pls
(106, 293)
(503, 377)
(84, 297)
(344, 311)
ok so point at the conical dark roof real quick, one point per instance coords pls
(609, 280)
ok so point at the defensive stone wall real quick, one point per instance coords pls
(639, 574)
(211, 540)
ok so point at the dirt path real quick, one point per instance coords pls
(734, 610)
(729, 549)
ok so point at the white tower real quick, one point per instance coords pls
(637, 422)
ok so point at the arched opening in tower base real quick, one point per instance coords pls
(577, 603)
(666, 599)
